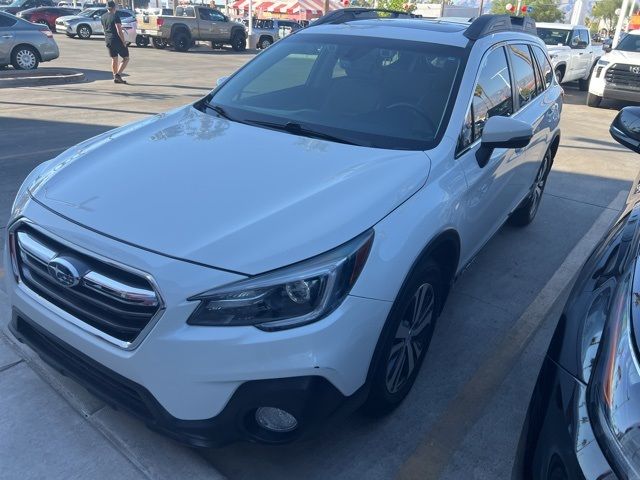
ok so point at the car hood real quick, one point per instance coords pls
(66, 18)
(554, 49)
(622, 56)
(225, 194)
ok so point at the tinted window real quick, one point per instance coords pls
(554, 36)
(584, 36)
(492, 94)
(545, 66)
(123, 14)
(6, 21)
(217, 16)
(523, 73)
(390, 93)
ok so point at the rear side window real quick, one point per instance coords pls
(492, 96)
(584, 36)
(6, 21)
(523, 73)
(545, 66)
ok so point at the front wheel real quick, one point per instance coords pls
(406, 338)
(158, 43)
(142, 41)
(238, 42)
(181, 42)
(559, 74)
(526, 212)
(84, 32)
(593, 100)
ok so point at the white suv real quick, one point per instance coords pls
(242, 267)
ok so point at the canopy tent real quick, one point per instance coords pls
(297, 9)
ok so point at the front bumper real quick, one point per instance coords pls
(191, 373)
(557, 439)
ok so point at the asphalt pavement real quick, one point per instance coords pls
(464, 415)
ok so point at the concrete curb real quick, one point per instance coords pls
(154, 455)
(33, 78)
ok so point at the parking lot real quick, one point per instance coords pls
(463, 417)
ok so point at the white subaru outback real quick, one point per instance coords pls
(246, 266)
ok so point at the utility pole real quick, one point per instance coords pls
(326, 6)
(623, 13)
(481, 7)
(442, 8)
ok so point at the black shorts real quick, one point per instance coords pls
(116, 48)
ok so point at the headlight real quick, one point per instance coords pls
(23, 194)
(614, 392)
(288, 297)
(603, 62)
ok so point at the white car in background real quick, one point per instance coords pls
(617, 73)
(572, 55)
(88, 23)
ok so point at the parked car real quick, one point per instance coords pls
(23, 44)
(20, 5)
(584, 417)
(321, 201)
(47, 15)
(617, 73)
(272, 30)
(88, 23)
(572, 54)
(190, 24)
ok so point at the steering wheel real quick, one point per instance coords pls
(415, 110)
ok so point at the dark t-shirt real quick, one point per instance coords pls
(109, 21)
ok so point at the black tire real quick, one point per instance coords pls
(559, 74)
(70, 35)
(238, 42)
(158, 43)
(583, 84)
(527, 211)
(142, 41)
(593, 100)
(401, 349)
(265, 42)
(84, 32)
(181, 42)
(24, 57)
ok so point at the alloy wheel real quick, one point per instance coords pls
(26, 59)
(541, 180)
(409, 342)
(84, 32)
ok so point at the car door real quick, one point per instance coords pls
(585, 52)
(206, 26)
(220, 26)
(7, 37)
(491, 193)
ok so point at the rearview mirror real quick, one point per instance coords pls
(625, 128)
(502, 132)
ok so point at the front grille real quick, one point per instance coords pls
(622, 75)
(108, 385)
(113, 300)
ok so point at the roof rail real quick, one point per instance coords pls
(344, 15)
(489, 24)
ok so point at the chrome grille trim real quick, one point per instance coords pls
(114, 296)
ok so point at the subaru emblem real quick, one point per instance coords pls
(63, 272)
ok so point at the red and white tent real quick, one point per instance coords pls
(302, 9)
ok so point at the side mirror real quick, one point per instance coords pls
(606, 48)
(221, 80)
(625, 128)
(502, 132)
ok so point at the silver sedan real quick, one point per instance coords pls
(24, 45)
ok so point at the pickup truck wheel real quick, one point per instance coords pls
(593, 100)
(559, 75)
(158, 43)
(216, 46)
(238, 42)
(265, 42)
(526, 212)
(405, 338)
(181, 42)
(142, 41)
(84, 32)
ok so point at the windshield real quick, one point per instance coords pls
(375, 92)
(17, 3)
(554, 36)
(88, 13)
(630, 43)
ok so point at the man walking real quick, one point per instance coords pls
(114, 38)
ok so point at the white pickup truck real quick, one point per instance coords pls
(571, 52)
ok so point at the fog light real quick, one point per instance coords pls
(275, 419)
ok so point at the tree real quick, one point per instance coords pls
(401, 5)
(606, 10)
(543, 10)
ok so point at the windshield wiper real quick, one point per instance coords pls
(218, 109)
(298, 129)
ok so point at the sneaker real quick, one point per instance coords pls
(118, 79)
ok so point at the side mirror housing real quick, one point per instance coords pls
(221, 80)
(606, 48)
(502, 132)
(625, 128)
